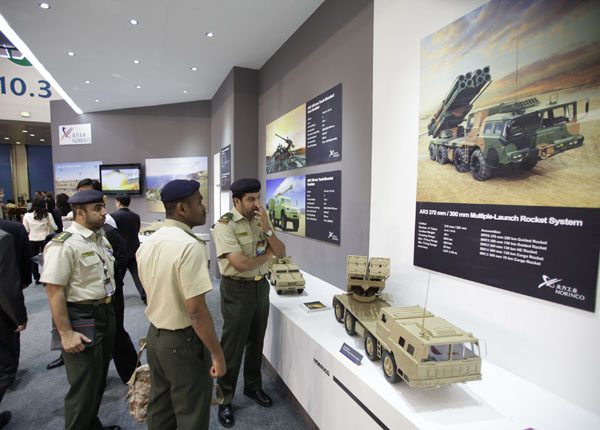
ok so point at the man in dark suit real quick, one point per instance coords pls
(22, 249)
(128, 224)
(124, 353)
(13, 317)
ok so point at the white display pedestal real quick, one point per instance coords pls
(303, 348)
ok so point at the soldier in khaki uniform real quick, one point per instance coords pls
(245, 242)
(173, 268)
(79, 277)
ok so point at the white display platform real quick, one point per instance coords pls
(304, 347)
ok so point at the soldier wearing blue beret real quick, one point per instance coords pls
(245, 242)
(79, 277)
(173, 267)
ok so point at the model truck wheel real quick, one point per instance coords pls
(371, 347)
(530, 163)
(459, 161)
(432, 152)
(339, 311)
(283, 221)
(388, 364)
(442, 154)
(278, 292)
(479, 168)
(295, 224)
(350, 323)
(300, 290)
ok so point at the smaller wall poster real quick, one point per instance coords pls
(286, 203)
(225, 157)
(68, 175)
(307, 205)
(75, 134)
(307, 135)
(160, 171)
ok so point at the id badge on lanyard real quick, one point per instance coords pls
(108, 287)
(261, 247)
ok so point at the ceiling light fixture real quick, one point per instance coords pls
(210, 34)
(136, 61)
(194, 69)
(6, 138)
(24, 131)
(185, 91)
(44, 5)
(42, 140)
(138, 86)
(71, 54)
(86, 82)
(24, 49)
(18, 143)
(133, 21)
(32, 135)
(97, 100)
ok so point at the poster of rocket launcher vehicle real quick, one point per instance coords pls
(509, 146)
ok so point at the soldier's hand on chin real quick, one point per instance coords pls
(262, 216)
(72, 342)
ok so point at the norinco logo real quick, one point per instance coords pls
(561, 290)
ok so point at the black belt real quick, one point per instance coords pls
(171, 331)
(251, 279)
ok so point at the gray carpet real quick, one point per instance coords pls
(36, 397)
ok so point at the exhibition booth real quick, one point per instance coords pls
(372, 136)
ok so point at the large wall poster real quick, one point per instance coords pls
(508, 181)
(160, 171)
(309, 134)
(68, 175)
(307, 205)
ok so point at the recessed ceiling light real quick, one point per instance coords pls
(97, 100)
(194, 69)
(138, 86)
(133, 21)
(185, 91)
(6, 138)
(32, 135)
(24, 131)
(18, 143)
(210, 34)
(86, 81)
(136, 61)
(42, 140)
(71, 54)
(44, 5)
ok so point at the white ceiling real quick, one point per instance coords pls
(169, 40)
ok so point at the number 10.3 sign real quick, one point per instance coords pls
(18, 87)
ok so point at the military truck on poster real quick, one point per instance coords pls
(413, 344)
(513, 135)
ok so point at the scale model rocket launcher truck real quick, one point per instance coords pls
(413, 344)
(506, 136)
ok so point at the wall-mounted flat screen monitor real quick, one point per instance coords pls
(121, 178)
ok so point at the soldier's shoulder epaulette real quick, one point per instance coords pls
(226, 218)
(61, 237)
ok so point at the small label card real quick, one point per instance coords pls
(351, 353)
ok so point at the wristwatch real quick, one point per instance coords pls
(269, 233)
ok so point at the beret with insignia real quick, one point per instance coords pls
(246, 185)
(178, 189)
(86, 196)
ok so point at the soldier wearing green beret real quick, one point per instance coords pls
(245, 242)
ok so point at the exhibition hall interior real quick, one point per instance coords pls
(427, 221)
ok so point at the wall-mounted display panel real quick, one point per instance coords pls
(509, 166)
(225, 167)
(68, 175)
(307, 205)
(308, 135)
(160, 171)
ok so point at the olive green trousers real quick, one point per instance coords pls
(245, 309)
(86, 370)
(181, 386)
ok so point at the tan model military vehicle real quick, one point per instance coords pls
(413, 344)
(285, 275)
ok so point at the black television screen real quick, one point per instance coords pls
(121, 178)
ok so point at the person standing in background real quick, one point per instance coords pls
(128, 224)
(39, 224)
(22, 249)
(13, 317)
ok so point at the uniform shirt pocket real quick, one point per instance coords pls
(247, 244)
(91, 267)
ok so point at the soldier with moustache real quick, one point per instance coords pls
(245, 242)
(79, 277)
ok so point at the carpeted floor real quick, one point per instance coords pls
(36, 399)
